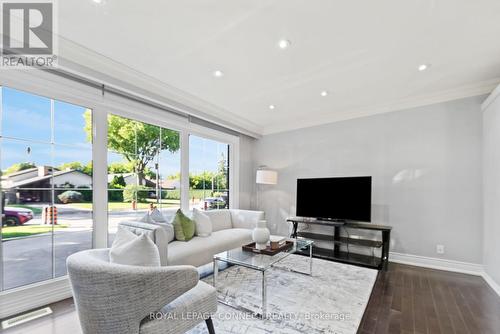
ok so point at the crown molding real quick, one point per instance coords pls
(81, 61)
(476, 89)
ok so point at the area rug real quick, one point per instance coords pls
(332, 300)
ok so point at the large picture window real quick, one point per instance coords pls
(143, 170)
(76, 161)
(208, 174)
(46, 186)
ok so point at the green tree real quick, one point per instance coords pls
(139, 143)
(120, 167)
(116, 186)
(175, 176)
(75, 165)
(222, 173)
(118, 182)
(133, 192)
(18, 167)
(202, 180)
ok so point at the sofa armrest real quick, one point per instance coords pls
(246, 218)
(156, 232)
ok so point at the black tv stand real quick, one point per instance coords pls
(335, 253)
(343, 221)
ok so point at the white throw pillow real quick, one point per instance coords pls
(221, 219)
(153, 217)
(146, 219)
(157, 217)
(203, 223)
(134, 250)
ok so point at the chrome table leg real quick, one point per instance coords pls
(216, 271)
(310, 259)
(264, 295)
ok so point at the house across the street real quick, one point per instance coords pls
(35, 184)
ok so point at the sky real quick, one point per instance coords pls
(28, 128)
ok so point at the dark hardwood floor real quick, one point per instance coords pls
(405, 299)
(409, 299)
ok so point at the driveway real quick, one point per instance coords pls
(29, 260)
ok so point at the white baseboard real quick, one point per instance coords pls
(23, 299)
(447, 265)
(435, 263)
(494, 285)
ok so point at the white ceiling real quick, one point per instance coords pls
(364, 53)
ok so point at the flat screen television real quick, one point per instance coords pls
(335, 198)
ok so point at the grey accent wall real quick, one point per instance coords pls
(491, 195)
(426, 168)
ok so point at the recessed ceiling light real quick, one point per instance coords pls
(324, 93)
(271, 106)
(218, 74)
(423, 67)
(284, 43)
(99, 2)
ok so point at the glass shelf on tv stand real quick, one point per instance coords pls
(336, 254)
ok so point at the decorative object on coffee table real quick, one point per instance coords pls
(277, 241)
(268, 250)
(260, 235)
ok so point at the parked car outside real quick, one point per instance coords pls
(213, 203)
(16, 216)
(27, 198)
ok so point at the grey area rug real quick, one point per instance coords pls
(333, 300)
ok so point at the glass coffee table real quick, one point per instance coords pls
(262, 263)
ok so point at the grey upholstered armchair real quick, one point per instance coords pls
(118, 299)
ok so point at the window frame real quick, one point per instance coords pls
(45, 84)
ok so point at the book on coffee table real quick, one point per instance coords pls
(277, 241)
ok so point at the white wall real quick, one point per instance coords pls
(491, 186)
(426, 168)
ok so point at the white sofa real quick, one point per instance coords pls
(231, 229)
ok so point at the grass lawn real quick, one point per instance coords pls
(36, 211)
(114, 206)
(27, 230)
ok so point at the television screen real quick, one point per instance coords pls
(342, 198)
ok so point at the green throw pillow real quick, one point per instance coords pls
(183, 226)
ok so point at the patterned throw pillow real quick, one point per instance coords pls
(184, 227)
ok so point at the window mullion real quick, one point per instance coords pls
(100, 177)
(185, 171)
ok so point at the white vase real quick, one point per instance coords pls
(260, 235)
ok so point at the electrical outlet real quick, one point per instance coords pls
(440, 249)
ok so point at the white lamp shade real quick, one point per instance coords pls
(265, 176)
